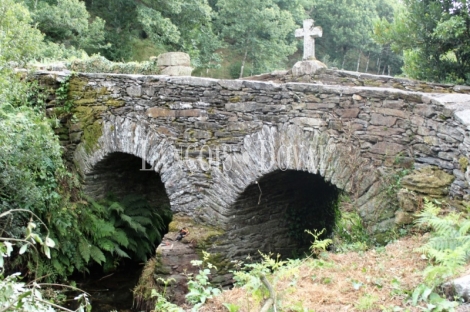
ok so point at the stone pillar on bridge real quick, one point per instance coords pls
(309, 64)
(174, 64)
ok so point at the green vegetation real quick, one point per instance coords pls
(252, 36)
(200, 289)
(433, 36)
(406, 275)
(48, 230)
(347, 40)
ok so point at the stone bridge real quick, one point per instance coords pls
(261, 160)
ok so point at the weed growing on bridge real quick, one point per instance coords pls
(200, 289)
(62, 96)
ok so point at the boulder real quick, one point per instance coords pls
(429, 181)
(408, 201)
(403, 218)
(307, 67)
(459, 287)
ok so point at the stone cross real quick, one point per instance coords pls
(309, 33)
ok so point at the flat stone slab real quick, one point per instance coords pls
(177, 71)
(458, 103)
(173, 59)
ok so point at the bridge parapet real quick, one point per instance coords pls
(211, 139)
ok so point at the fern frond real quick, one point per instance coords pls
(121, 253)
(140, 210)
(106, 244)
(464, 227)
(441, 243)
(116, 207)
(84, 249)
(154, 235)
(133, 225)
(59, 267)
(102, 228)
(120, 238)
(97, 255)
(144, 221)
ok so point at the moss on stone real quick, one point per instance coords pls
(235, 99)
(398, 86)
(200, 234)
(84, 114)
(383, 238)
(115, 103)
(429, 181)
(143, 290)
(372, 83)
(463, 161)
(85, 101)
(77, 84)
(91, 134)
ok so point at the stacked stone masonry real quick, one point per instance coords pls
(210, 140)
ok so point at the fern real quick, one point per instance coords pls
(449, 245)
(84, 248)
(97, 255)
(120, 238)
(108, 230)
(121, 253)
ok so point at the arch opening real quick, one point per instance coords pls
(272, 214)
(146, 213)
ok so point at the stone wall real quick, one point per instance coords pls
(357, 79)
(212, 140)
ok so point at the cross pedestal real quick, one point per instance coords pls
(309, 33)
(309, 64)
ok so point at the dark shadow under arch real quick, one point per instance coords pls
(271, 215)
(121, 174)
(125, 178)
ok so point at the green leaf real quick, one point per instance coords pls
(23, 249)
(85, 249)
(49, 242)
(9, 247)
(97, 255)
(47, 251)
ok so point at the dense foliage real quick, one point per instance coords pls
(252, 36)
(33, 176)
(434, 37)
(347, 35)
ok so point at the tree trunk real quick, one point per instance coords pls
(359, 61)
(344, 59)
(378, 66)
(367, 65)
(243, 63)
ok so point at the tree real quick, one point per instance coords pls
(347, 27)
(177, 25)
(68, 23)
(258, 30)
(434, 36)
(19, 42)
(347, 32)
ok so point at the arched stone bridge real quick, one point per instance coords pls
(242, 155)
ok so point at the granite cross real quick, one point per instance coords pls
(308, 33)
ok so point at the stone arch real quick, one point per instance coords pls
(128, 137)
(287, 152)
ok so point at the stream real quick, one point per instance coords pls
(111, 291)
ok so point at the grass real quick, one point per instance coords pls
(380, 279)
